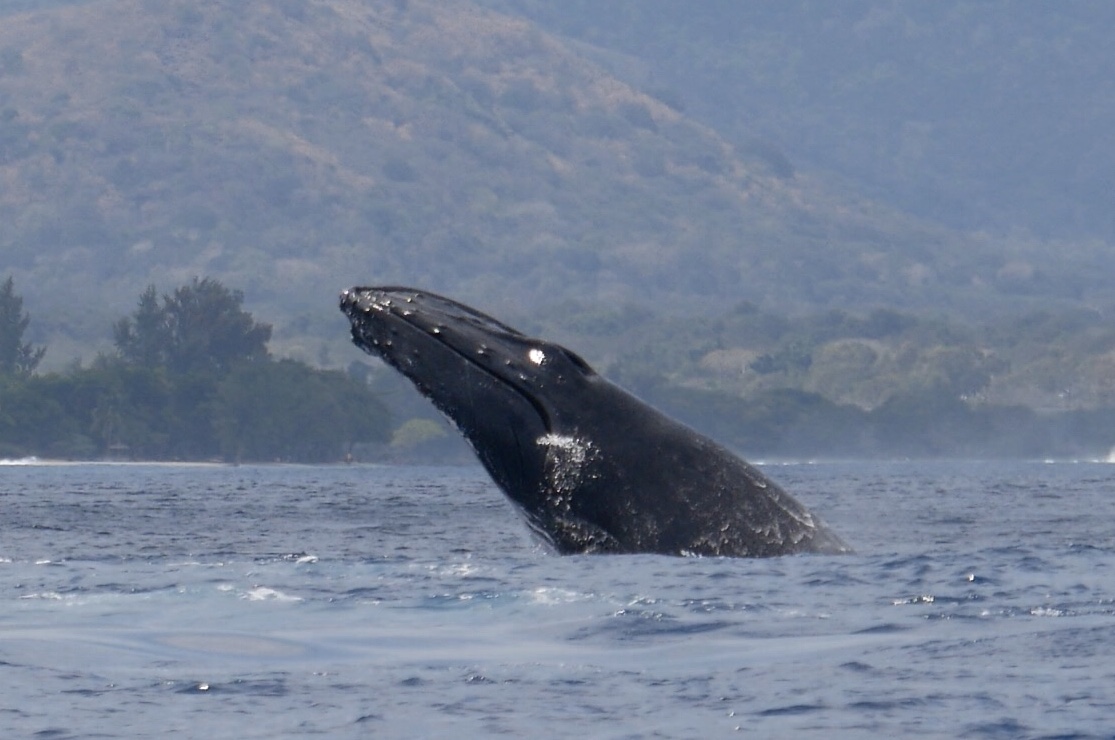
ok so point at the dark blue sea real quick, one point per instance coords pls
(359, 601)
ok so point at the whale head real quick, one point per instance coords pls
(505, 392)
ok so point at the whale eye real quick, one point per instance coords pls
(536, 356)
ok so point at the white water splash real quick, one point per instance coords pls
(263, 593)
(566, 460)
(20, 461)
(571, 450)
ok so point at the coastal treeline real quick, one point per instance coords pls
(190, 378)
(881, 384)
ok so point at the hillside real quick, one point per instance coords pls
(979, 114)
(291, 149)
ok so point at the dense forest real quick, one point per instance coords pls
(190, 379)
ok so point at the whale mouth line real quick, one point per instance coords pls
(358, 300)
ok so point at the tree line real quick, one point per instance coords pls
(880, 384)
(190, 378)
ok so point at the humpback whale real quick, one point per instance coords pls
(592, 468)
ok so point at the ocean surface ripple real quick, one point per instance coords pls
(348, 601)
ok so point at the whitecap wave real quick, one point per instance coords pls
(263, 593)
(20, 461)
(551, 596)
(43, 596)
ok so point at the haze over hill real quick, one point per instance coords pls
(976, 113)
(293, 148)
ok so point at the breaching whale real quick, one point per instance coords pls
(593, 468)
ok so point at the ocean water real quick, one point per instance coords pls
(379, 601)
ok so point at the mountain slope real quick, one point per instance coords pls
(990, 114)
(291, 149)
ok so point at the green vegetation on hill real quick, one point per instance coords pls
(883, 383)
(293, 149)
(191, 379)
